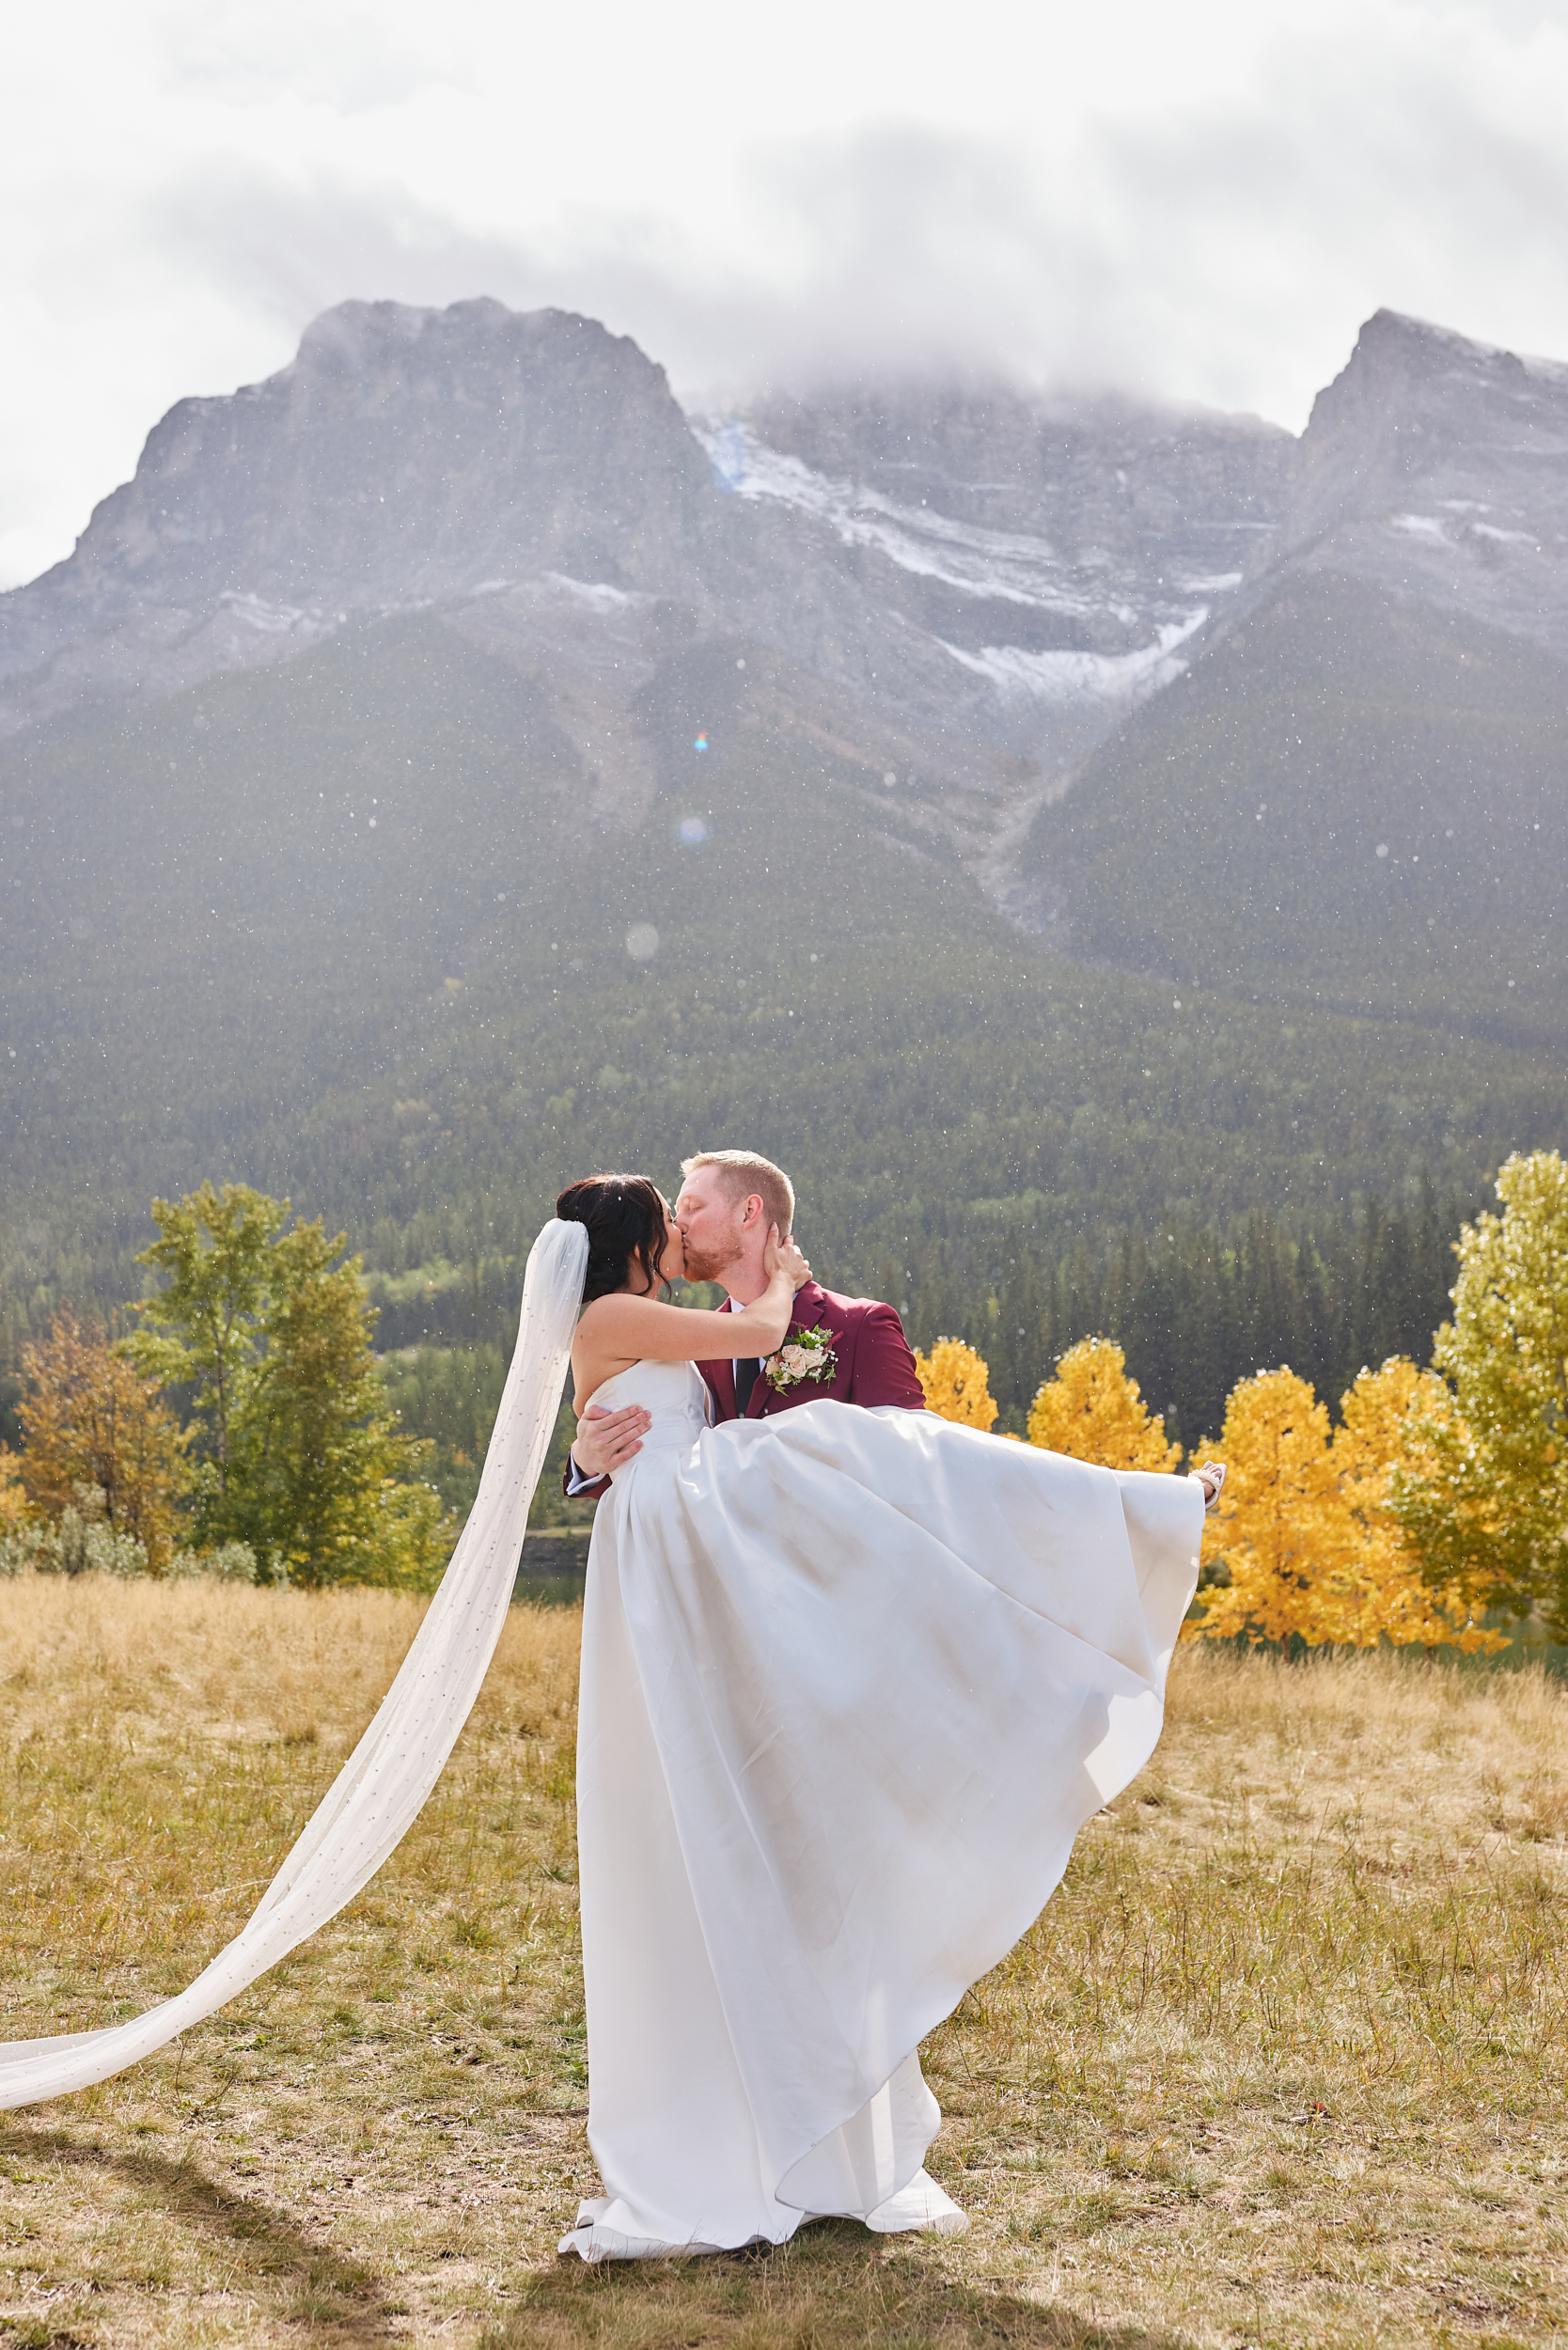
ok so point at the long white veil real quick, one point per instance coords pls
(382, 1788)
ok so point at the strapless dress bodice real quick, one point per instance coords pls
(672, 1392)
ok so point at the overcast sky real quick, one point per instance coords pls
(1200, 203)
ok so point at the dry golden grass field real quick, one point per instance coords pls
(1282, 2063)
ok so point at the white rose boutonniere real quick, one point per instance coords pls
(804, 1354)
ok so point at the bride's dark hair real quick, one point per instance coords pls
(624, 1217)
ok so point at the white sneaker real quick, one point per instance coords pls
(920, 2204)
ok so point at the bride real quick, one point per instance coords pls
(852, 1678)
(851, 1681)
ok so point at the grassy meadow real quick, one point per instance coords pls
(1282, 2063)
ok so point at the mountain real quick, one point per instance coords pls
(403, 456)
(1353, 796)
(447, 764)
(990, 601)
(1436, 469)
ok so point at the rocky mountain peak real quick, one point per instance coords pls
(403, 452)
(1433, 464)
(1407, 381)
(1406, 385)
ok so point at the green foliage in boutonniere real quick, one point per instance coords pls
(804, 1354)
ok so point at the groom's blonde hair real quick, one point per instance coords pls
(743, 1172)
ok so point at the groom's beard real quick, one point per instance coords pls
(711, 1267)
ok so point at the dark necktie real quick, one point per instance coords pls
(746, 1369)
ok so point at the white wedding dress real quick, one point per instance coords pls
(851, 1682)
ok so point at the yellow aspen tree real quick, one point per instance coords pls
(1283, 1527)
(1378, 1592)
(957, 1383)
(1093, 1411)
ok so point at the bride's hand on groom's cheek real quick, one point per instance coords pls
(605, 1441)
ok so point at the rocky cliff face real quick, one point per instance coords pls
(1438, 468)
(1128, 511)
(404, 456)
(995, 577)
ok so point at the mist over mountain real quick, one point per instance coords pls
(1051, 815)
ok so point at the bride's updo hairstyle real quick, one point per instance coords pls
(624, 1217)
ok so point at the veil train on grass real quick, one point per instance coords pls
(382, 1788)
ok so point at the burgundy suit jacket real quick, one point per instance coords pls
(872, 1364)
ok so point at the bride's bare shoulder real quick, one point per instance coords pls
(593, 1313)
(616, 1321)
(614, 1311)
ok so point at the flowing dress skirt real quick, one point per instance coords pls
(851, 1682)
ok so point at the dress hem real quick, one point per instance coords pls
(920, 2205)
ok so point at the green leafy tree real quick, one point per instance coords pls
(206, 1328)
(320, 1453)
(306, 1459)
(1488, 1512)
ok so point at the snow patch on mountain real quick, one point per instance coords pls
(275, 619)
(597, 594)
(1066, 679)
(1009, 567)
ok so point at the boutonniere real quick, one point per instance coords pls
(804, 1354)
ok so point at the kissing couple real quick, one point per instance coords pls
(853, 1678)
(855, 1350)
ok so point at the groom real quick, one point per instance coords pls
(728, 1202)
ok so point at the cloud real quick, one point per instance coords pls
(1223, 256)
(1200, 209)
(348, 57)
(900, 249)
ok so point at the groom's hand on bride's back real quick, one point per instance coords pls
(605, 1441)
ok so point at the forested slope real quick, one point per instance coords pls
(353, 928)
(1352, 801)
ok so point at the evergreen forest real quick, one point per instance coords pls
(369, 932)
